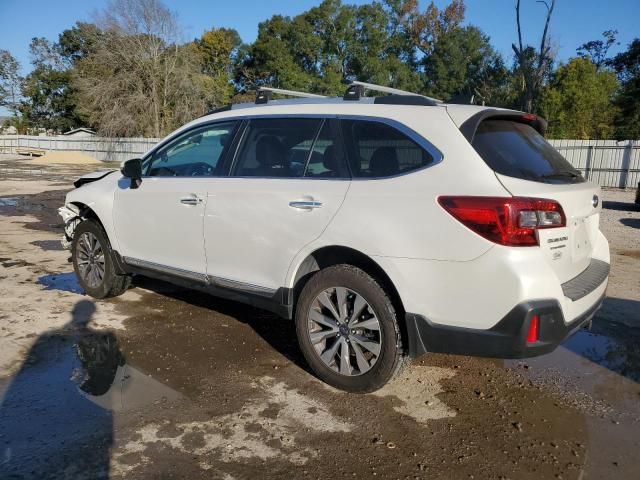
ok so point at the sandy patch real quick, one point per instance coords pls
(416, 389)
(65, 157)
(263, 429)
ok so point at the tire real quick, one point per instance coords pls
(357, 372)
(109, 284)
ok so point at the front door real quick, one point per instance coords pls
(160, 224)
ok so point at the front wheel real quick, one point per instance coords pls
(93, 262)
(347, 329)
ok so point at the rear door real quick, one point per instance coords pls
(286, 183)
(528, 166)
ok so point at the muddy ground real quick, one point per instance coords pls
(167, 383)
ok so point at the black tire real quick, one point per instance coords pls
(112, 284)
(391, 358)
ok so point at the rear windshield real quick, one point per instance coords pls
(518, 150)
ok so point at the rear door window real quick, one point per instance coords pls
(517, 150)
(377, 150)
(327, 157)
(276, 147)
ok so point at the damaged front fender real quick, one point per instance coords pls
(71, 216)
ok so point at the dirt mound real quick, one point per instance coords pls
(64, 157)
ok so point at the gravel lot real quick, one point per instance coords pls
(167, 383)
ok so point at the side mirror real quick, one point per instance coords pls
(132, 169)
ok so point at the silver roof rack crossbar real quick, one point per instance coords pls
(356, 89)
(263, 95)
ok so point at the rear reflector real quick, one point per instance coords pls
(532, 334)
(510, 221)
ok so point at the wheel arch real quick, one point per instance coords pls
(329, 255)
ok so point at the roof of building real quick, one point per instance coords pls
(78, 130)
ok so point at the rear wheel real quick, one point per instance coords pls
(93, 262)
(347, 329)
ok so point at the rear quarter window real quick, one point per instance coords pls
(377, 150)
(517, 150)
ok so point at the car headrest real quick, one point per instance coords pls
(270, 151)
(329, 159)
(384, 162)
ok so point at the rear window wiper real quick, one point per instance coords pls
(561, 174)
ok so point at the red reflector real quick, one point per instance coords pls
(511, 221)
(532, 334)
(528, 117)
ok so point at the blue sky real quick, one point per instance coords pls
(574, 21)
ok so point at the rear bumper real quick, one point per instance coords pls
(507, 339)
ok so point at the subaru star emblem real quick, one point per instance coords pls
(594, 201)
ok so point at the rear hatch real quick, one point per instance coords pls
(528, 166)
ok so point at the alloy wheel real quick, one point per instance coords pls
(90, 259)
(345, 331)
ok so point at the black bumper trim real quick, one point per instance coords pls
(506, 339)
(585, 283)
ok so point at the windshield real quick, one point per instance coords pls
(517, 150)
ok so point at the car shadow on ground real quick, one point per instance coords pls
(621, 206)
(278, 332)
(630, 222)
(51, 422)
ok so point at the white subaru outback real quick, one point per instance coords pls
(387, 227)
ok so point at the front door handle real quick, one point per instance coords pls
(193, 200)
(305, 204)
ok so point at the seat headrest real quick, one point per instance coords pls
(329, 159)
(270, 151)
(384, 162)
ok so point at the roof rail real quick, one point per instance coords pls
(356, 90)
(263, 95)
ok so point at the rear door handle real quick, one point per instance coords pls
(192, 200)
(305, 204)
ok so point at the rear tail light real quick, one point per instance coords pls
(511, 221)
(534, 326)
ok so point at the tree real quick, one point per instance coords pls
(596, 50)
(49, 99)
(10, 82)
(578, 101)
(78, 41)
(533, 66)
(138, 79)
(463, 62)
(627, 66)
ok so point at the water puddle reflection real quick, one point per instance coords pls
(64, 397)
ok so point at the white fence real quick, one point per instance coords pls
(606, 162)
(101, 148)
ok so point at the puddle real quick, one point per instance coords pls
(63, 398)
(597, 369)
(9, 201)
(620, 355)
(65, 282)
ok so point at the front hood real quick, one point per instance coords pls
(92, 177)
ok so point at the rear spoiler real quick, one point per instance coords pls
(469, 127)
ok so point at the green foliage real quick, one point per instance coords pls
(49, 100)
(627, 66)
(463, 62)
(578, 101)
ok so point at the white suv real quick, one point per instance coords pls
(386, 227)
